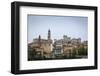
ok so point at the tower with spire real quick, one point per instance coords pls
(49, 34)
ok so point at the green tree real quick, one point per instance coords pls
(31, 53)
(74, 53)
(82, 50)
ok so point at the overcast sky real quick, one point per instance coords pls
(72, 26)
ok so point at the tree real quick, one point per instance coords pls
(82, 50)
(74, 52)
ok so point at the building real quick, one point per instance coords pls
(57, 49)
(76, 41)
(66, 46)
(66, 38)
(43, 46)
(62, 48)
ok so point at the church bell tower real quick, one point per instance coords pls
(49, 34)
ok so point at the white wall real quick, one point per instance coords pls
(5, 41)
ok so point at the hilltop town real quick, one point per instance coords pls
(65, 48)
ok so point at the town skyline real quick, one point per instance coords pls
(66, 47)
(56, 38)
(37, 25)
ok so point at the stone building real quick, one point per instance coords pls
(61, 48)
(67, 45)
(43, 46)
